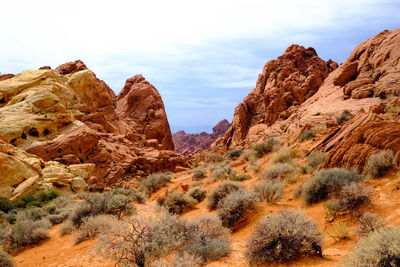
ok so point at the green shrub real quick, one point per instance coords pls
(369, 222)
(315, 159)
(234, 207)
(153, 182)
(94, 225)
(351, 197)
(219, 192)
(379, 248)
(325, 182)
(286, 155)
(345, 116)
(48, 196)
(269, 191)
(266, 147)
(177, 202)
(276, 171)
(378, 164)
(197, 193)
(199, 174)
(234, 153)
(307, 135)
(6, 260)
(283, 237)
(6, 205)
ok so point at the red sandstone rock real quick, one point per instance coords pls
(71, 67)
(188, 143)
(6, 76)
(45, 68)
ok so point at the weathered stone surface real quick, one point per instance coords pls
(71, 67)
(347, 73)
(6, 76)
(187, 143)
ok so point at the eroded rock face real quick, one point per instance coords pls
(188, 143)
(72, 118)
(283, 85)
(140, 105)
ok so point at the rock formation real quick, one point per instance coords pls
(70, 116)
(188, 143)
(283, 85)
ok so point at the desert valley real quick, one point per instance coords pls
(306, 174)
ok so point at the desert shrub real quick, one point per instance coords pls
(6, 260)
(351, 197)
(276, 171)
(6, 205)
(234, 153)
(378, 164)
(240, 177)
(325, 182)
(67, 227)
(48, 196)
(177, 202)
(369, 222)
(255, 166)
(37, 201)
(285, 155)
(314, 160)
(234, 207)
(197, 193)
(223, 172)
(345, 116)
(25, 232)
(199, 174)
(214, 157)
(180, 260)
(207, 238)
(153, 182)
(219, 192)
(249, 155)
(306, 135)
(132, 193)
(379, 248)
(94, 225)
(283, 237)
(32, 213)
(269, 145)
(269, 191)
(339, 231)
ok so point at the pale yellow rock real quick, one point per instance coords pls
(82, 170)
(28, 187)
(78, 184)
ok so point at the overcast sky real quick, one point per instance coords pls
(203, 56)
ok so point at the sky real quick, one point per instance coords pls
(204, 56)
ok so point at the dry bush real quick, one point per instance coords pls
(314, 160)
(199, 174)
(240, 177)
(379, 164)
(197, 193)
(306, 135)
(6, 260)
(177, 202)
(181, 260)
(214, 157)
(285, 155)
(132, 193)
(339, 231)
(223, 172)
(26, 232)
(379, 248)
(94, 225)
(219, 192)
(67, 228)
(351, 197)
(269, 191)
(234, 153)
(255, 166)
(268, 146)
(155, 181)
(276, 171)
(325, 182)
(234, 207)
(249, 155)
(345, 116)
(283, 237)
(369, 222)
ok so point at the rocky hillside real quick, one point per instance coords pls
(68, 115)
(186, 143)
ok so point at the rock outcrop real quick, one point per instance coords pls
(283, 85)
(188, 143)
(70, 116)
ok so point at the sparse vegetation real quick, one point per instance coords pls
(285, 155)
(240, 177)
(94, 225)
(6, 260)
(223, 172)
(197, 193)
(249, 155)
(283, 237)
(379, 248)
(219, 192)
(214, 157)
(339, 231)
(345, 116)
(306, 135)
(269, 191)
(369, 222)
(378, 164)
(153, 182)
(234, 207)
(268, 146)
(326, 182)
(276, 171)
(314, 160)
(351, 197)
(199, 174)
(177, 202)
(235, 153)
